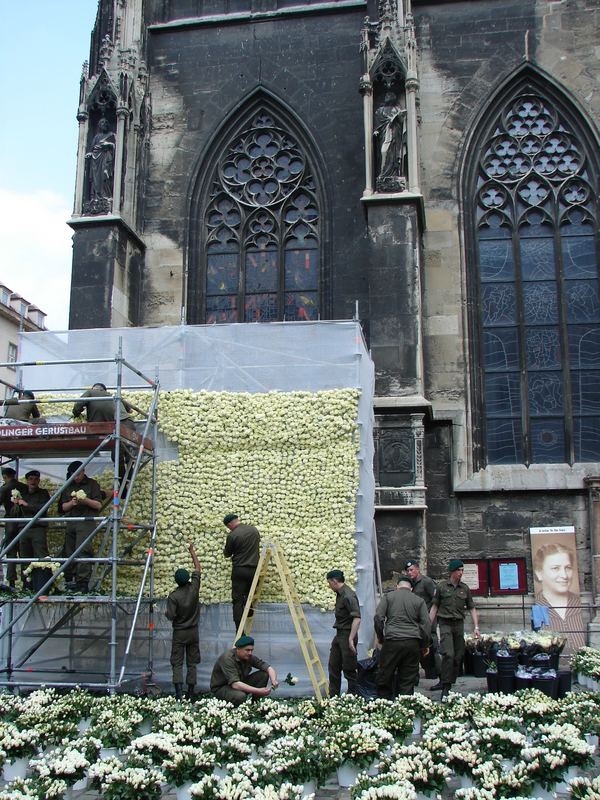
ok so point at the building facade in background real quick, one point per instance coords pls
(431, 166)
(16, 315)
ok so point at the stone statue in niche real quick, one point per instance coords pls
(390, 145)
(101, 166)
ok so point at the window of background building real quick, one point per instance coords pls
(12, 353)
(261, 229)
(536, 285)
(37, 317)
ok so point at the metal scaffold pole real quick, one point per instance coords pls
(131, 450)
(115, 521)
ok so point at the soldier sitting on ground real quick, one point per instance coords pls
(232, 678)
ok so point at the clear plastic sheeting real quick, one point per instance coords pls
(307, 356)
(261, 357)
(78, 653)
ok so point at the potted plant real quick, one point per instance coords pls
(301, 760)
(421, 764)
(585, 788)
(35, 788)
(116, 780)
(287, 791)
(16, 748)
(354, 748)
(187, 764)
(491, 674)
(113, 731)
(153, 748)
(212, 788)
(396, 717)
(69, 764)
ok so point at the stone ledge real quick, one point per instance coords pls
(87, 221)
(537, 477)
(253, 16)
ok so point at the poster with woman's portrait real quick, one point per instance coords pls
(556, 583)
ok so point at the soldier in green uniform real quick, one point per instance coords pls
(424, 587)
(88, 504)
(34, 543)
(183, 610)
(242, 547)
(450, 604)
(11, 529)
(403, 628)
(342, 655)
(232, 678)
(100, 410)
(23, 411)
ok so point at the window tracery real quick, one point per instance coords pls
(262, 229)
(537, 284)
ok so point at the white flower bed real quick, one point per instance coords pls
(586, 663)
(493, 746)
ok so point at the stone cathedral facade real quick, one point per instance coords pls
(432, 167)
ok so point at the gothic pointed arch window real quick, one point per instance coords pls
(535, 294)
(260, 237)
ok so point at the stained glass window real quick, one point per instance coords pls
(261, 229)
(537, 295)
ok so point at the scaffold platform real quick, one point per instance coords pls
(65, 438)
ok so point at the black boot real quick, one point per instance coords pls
(190, 694)
(178, 690)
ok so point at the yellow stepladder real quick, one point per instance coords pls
(273, 553)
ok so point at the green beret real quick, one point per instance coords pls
(455, 563)
(182, 576)
(229, 518)
(244, 641)
(336, 575)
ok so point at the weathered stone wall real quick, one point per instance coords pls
(199, 75)
(467, 51)
(107, 276)
(309, 62)
(399, 537)
(394, 308)
(485, 525)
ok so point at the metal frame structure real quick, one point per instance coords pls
(111, 554)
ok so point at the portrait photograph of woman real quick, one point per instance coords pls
(556, 585)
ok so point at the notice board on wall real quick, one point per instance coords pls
(508, 576)
(475, 575)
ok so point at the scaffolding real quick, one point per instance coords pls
(131, 451)
(232, 358)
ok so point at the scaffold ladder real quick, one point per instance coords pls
(273, 553)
